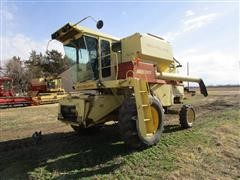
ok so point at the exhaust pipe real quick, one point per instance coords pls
(176, 77)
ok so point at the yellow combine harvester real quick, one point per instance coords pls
(46, 90)
(130, 80)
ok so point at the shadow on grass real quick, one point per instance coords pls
(75, 155)
(65, 155)
(172, 128)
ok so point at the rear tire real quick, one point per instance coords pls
(186, 116)
(128, 124)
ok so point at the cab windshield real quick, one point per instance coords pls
(82, 55)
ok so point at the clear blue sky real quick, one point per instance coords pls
(204, 34)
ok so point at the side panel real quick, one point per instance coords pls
(150, 49)
(103, 105)
(146, 46)
(130, 46)
(178, 92)
(168, 94)
(164, 93)
(88, 110)
(154, 47)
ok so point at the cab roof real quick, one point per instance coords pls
(70, 30)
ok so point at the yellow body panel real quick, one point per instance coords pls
(103, 105)
(164, 93)
(80, 104)
(167, 92)
(178, 91)
(92, 109)
(149, 48)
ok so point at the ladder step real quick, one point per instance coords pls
(145, 105)
(142, 91)
(146, 120)
(149, 135)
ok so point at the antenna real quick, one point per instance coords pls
(99, 23)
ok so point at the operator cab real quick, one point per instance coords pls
(88, 53)
(53, 84)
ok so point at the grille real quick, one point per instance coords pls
(69, 112)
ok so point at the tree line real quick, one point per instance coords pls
(38, 65)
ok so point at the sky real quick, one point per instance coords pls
(205, 34)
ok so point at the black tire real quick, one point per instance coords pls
(186, 121)
(128, 125)
(86, 131)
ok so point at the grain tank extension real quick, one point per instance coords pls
(129, 80)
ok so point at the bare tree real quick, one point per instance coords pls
(38, 65)
(15, 70)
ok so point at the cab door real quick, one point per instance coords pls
(105, 58)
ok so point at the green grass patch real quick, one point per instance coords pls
(68, 156)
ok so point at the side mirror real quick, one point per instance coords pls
(99, 24)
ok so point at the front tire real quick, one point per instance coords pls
(128, 123)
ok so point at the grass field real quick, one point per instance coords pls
(209, 150)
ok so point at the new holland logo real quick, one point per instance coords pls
(141, 71)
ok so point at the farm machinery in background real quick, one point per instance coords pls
(46, 90)
(39, 91)
(7, 96)
(129, 80)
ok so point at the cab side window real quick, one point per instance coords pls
(105, 58)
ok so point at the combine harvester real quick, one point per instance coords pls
(8, 97)
(131, 80)
(46, 90)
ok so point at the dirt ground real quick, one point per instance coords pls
(218, 99)
(211, 151)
